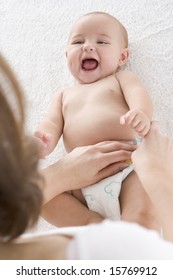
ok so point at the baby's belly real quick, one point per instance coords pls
(87, 130)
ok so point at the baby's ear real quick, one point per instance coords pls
(124, 57)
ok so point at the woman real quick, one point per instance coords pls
(21, 187)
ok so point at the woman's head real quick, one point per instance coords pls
(20, 196)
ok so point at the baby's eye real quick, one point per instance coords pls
(102, 42)
(77, 42)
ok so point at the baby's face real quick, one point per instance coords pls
(95, 48)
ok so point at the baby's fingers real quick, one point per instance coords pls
(47, 137)
(38, 134)
(128, 118)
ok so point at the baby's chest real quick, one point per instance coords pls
(89, 100)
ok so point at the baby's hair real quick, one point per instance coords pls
(20, 195)
(121, 26)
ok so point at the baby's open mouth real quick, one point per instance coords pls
(89, 64)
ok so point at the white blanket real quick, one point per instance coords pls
(33, 36)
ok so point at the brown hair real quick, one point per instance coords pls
(20, 196)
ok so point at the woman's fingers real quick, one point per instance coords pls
(111, 170)
(111, 146)
(111, 152)
(106, 159)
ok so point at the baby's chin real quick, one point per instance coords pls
(88, 78)
(87, 81)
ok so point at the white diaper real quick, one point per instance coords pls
(103, 197)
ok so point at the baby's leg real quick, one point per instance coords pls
(135, 204)
(67, 210)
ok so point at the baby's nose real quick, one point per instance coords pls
(88, 48)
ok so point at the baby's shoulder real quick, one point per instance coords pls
(69, 89)
(62, 91)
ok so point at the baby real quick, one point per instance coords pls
(105, 103)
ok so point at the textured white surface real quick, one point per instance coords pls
(33, 37)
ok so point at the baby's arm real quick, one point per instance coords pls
(50, 129)
(140, 105)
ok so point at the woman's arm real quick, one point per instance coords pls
(153, 162)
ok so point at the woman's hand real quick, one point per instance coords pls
(88, 165)
(154, 154)
(85, 166)
(153, 163)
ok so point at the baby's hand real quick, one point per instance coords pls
(45, 142)
(137, 120)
